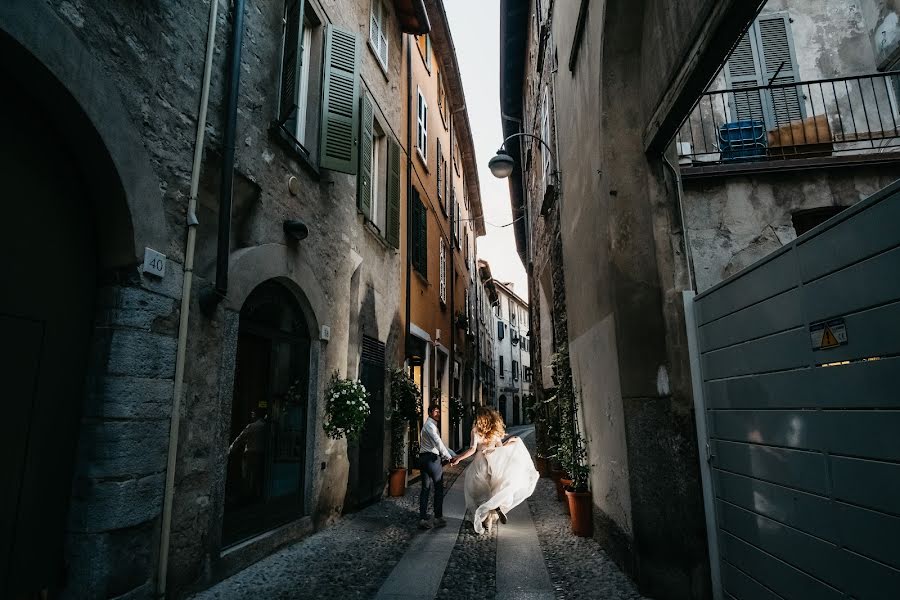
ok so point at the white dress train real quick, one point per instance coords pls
(503, 477)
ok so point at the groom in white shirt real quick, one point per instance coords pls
(432, 453)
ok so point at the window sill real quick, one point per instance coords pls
(422, 277)
(295, 149)
(422, 159)
(374, 51)
(375, 232)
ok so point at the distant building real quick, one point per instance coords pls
(512, 353)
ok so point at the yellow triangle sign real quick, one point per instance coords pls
(828, 339)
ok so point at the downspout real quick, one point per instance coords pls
(452, 273)
(226, 182)
(409, 196)
(679, 197)
(192, 224)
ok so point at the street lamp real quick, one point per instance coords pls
(502, 164)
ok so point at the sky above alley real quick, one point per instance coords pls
(475, 25)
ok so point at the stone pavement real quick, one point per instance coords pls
(378, 553)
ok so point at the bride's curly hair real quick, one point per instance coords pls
(489, 423)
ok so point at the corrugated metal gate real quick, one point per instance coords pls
(796, 365)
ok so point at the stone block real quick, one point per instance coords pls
(115, 564)
(116, 449)
(141, 354)
(128, 398)
(135, 308)
(104, 505)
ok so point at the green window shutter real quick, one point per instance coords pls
(393, 194)
(421, 238)
(291, 62)
(440, 160)
(742, 71)
(364, 179)
(340, 101)
(776, 44)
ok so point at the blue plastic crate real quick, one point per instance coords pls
(742, 140)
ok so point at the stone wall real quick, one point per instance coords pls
(152, 56)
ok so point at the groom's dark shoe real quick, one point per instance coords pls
(502, 516)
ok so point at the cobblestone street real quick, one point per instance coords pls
(534, 556)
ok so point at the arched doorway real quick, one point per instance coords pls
(50, 261)
(503, 407)
(517, 410)
(265, 481)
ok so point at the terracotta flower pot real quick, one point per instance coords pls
(564, 484)
(581, 513)
(541, 465)
(397, 485)
(556, 476)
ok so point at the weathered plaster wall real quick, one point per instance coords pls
(734, 222)
(882, 19)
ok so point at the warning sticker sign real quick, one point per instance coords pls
(828, 334)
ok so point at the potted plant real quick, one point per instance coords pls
(581, 506)
(405, 408)
(346, 409)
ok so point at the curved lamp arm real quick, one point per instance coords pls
(522, 134)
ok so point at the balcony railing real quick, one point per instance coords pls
(828, 117)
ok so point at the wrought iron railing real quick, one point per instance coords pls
(826, 117)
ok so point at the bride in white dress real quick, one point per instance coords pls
(502, 474)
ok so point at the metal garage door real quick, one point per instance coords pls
(796, 364)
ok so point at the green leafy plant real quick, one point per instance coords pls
(346, 408)
(570, 448)
(406, 407)
(457, 410)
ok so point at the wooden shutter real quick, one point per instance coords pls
(440, 159)
(422, 241)
(340, 101)
(742, 71)
(393, 194)
(776, 46)
(442, 256)
(364, 181)
(291, 58)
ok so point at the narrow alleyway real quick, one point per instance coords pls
(379, 553)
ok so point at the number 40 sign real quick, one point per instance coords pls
(154, 262)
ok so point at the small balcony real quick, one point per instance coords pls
(797, 125)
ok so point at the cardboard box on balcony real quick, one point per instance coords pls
(801, 138)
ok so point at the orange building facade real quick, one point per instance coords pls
(442, 220)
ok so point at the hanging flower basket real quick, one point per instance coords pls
(346, 409)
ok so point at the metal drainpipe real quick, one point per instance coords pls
(452, 273)
(226, 184)
(192, 223)
(679, 196)
(409, 195)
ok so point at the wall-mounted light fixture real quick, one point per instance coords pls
(502, 164)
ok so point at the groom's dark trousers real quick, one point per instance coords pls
(432, 474)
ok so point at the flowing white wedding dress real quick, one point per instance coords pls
(499, 477)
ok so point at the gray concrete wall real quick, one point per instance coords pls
(734, 222)
(148, 60)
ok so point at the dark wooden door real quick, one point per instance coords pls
(48, 260)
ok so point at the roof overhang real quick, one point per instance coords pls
(413, 16)
(442, 42)
(513, 37)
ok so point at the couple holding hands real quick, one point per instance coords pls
(500, 478)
